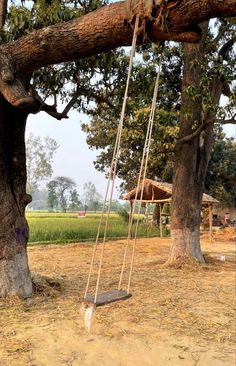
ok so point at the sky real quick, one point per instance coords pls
(74, 159)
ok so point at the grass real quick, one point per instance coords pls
(47, 228)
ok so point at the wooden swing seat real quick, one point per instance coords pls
(108, 297)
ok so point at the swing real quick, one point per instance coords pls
(108, 297)
(100, 299)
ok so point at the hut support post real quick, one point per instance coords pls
(130, 217)
(161, 228)
(210, 222)
(146, 211)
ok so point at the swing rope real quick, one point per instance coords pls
(112, 175)
(112, 172)
(141, 178)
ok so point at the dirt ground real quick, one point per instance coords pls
(175, 317)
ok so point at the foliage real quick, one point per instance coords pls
(39, 157)
(166, 209)
(52, 197)
(215, 64)
(39, 200)
(74, 200)
(29, 16)
(59, 190)
(101, 130)
(92, 199)
(221, 177)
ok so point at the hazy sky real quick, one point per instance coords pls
(73, 158)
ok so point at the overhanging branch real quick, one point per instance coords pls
(106, 29)
(64, 114)
(96, 32)
(202, 127)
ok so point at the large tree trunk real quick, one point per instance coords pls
(191, 159)
(15, 277)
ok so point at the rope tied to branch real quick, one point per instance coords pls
(88, 310)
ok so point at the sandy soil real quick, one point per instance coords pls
(175, 317)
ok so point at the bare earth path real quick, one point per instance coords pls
(175, 317)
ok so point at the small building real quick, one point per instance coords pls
(160, 193)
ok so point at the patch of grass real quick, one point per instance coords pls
(47, 228)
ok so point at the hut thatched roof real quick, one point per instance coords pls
(160, 192)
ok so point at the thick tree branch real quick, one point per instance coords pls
(192, 135)
(85, 37)
(3, 12)
(203, 126)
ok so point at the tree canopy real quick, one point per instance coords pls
(221, 177)
(101, 128)
(60, 190)
(35, 50)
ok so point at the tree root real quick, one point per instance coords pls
(183, 261)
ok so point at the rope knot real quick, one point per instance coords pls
(148, 12)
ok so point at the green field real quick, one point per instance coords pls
(47, 228)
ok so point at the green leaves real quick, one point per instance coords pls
(221, 177)
(32, 16)
(60, 190)
(101, 130)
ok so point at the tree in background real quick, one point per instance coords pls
(74, 200)
(92, 199)
(221, 176)
(39, 157)
(60, 189)
(52, 199)
(39, 200)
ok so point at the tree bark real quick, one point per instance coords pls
(14, 272)
(3, 12)
(191, 160)
(106, 29)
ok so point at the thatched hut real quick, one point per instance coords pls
(160, 193)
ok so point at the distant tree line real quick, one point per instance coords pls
(61, 194)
